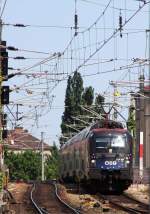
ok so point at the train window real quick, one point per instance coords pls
(118, 141)
(102, 142)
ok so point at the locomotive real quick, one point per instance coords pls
(100, 156)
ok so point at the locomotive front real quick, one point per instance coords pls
(110, 154)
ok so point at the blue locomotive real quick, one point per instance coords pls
(100, 155)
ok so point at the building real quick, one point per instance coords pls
(20, 140)
(142, 116)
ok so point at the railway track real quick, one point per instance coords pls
(46, 200)
(126, 203)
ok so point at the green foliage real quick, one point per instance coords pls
(69, 103)
(52, 164)
(99, 102)
(1, 181)
(73, 100)
(75, 118)
(26, 166)
(88, 96)
(131, 121)
(77, 86)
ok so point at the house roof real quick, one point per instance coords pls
(21, 139)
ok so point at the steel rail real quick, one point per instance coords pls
(63, 202)
(126, 208)
(33, 202)
(44, 211)
(136, 200)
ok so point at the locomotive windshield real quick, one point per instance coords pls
(118, 143)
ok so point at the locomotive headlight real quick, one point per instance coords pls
(93, 161)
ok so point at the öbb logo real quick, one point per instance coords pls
(110, 163)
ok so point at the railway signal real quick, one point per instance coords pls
(5, 95)
(4, 90)
(4, 60)
(4, 126)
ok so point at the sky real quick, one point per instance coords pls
(49, 29)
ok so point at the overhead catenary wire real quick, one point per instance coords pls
(116, 8)
(63, 57)
(3, 8)
(99, 18)
(69, 43)
(110, 37)
(69, 27)
(11, 48)
(105, 41)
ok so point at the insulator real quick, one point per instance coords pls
(11, 48)
(19, 57)
(20, 25)
(10, 68)
(76, 20)
(120, 20)
(120, 24)
(76, 24)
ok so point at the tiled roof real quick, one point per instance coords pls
(20, 139)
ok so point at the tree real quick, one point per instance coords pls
(99, 103)
(52, 164)
(88, 96)
(69, 104)
(26, 166)
(73, 101)
(77, 85)
(76, 96)
(131, 121)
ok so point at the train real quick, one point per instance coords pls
(100, 156)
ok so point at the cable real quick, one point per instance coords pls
(68, 27)
(109, 38)
(116, 8)
(113, 70)
(11, 48)
(4, 6)
(99, 18)
(58, 66)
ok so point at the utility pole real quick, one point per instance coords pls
(115, 99)
(142, 125)
(149, 98)
(42, 176)
(149, 44)
(1, 126)
(1, 108)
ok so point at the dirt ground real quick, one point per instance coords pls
(140, 191)
(21, 203)
(91, 204)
